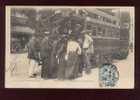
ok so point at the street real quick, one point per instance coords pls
(19, 77)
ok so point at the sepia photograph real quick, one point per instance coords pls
(78, 47)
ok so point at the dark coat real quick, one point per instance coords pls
(61, 51)
(33, 49)
(45, 53)
(72, 67)
(48, 54)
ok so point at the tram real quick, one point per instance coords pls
(110, 40)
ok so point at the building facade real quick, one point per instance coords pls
(21, 30)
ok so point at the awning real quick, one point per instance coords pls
(22, 29)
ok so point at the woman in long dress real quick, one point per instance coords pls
(61, 58)
(53, 59)
(72, 58)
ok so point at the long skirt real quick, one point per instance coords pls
(48, 71)
(49, 66)
(53, 68)
(72, 68)
(61, 68)
(45, 73)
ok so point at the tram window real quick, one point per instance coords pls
(93, 16)
(82, 13)
(114, 22)
(113, 32)
(100, 31)
(108, 20)
(104, 31)
(89, 26)
(108, 32)
(101, 18)
(117, 33)
(94, 30)
(104, 19)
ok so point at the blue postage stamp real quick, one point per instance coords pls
(108, 75)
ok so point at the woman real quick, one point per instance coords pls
(61, 58)
(72, 58)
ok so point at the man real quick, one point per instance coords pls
(81, 63)
(45, 53)
(88, 49)
(33, 55)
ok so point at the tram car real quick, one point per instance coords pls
(110, 40)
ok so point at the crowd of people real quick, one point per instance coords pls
(63, 56)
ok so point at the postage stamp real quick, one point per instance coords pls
(108, 75)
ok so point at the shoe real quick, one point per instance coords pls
(88, 71)
(80, 75)
(33, 76)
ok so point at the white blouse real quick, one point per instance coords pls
(73, 46)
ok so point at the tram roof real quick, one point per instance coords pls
(102, 23)
(93, 20)
(102, 13)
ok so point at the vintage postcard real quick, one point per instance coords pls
(80, 47)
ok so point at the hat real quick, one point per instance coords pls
(46, 32)
(37, 34)
(86, 31)
(57, 12)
